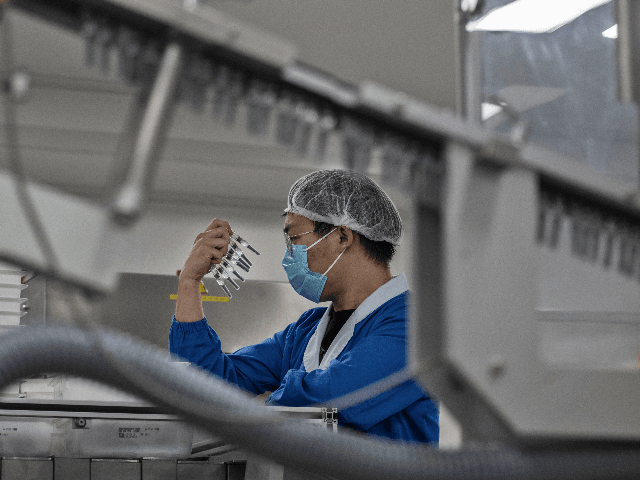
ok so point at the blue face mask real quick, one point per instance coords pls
(307, 283)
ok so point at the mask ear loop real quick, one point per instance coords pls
(318, 241)
(334, 262)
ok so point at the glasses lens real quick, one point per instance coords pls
(287, 242)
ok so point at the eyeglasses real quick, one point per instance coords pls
(287, 240)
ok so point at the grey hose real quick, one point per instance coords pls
(346, 456)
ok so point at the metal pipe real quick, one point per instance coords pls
(468, 63)
(147, 147)
(627, 13)
(624, 52)
(127, 139)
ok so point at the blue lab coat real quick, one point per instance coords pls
(370, 346)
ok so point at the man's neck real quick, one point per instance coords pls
(359, 286)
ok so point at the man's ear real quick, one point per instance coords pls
(346, 236)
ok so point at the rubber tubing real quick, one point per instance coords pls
(227, 412)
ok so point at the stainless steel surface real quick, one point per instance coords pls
(110, 438)
(108, 469)
(88, 413)
(85, 430)
(27, 469)
(198, 470)
(26, 436)
(72, 468)
(159, 469)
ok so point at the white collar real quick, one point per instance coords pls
(382, 295)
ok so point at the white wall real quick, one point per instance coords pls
(163, 237)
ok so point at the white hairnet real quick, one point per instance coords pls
(350, 199)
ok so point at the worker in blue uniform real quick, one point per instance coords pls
(340, 233)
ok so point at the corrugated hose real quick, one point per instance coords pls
(229, 413)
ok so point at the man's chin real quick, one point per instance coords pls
(327, 298)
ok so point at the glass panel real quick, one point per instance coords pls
(563, 84)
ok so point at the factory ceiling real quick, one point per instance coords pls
(72, 119)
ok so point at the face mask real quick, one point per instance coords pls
(307, 283)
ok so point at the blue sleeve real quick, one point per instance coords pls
(256, 368)
(366, 360)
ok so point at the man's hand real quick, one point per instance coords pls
(210, 247)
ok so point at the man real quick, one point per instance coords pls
(340, 231)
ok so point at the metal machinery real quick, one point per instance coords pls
(537, 294)
(495, 214)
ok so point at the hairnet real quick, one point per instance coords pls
(350, 199)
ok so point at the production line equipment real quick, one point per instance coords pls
(500, 227)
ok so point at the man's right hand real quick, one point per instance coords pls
(209, 247)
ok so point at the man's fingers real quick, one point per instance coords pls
(216, 232)
(214, 249)
(209, 247)
(216, 223)
(220, 244)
